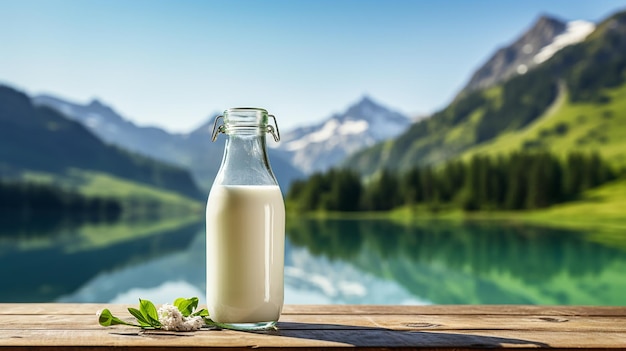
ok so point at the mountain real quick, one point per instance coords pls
(574, 101)
(40, 139)
(193, 151)
(109, 126)
(324, 145)
(536, 45)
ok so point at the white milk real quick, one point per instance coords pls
(245, 237)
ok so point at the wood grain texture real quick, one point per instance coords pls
(75, 327)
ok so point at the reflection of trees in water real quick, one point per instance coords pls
(42, 275)
(333, 239)
(531, 254)
(13, 225)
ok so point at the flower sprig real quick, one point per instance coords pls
(180, 316)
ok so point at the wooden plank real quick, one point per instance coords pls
(348, 322)
(56, 308)
(458, 309)
(455, 322)
(375, 338)
(74, 326)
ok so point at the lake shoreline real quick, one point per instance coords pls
(602, 208)
(535, 217)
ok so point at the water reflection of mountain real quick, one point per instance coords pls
(41, 269)
(308, 279)
(314, 279)
(476, 262)
(162, 278)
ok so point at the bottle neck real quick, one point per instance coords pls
(245, 160)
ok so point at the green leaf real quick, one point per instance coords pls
(186, 306)
(202, 313)
(107, 319)
(194, 302)
(140, 318)
(182, 304)
(149, 312)
(179, 301)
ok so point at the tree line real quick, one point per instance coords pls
(515, 182)
(31, 200)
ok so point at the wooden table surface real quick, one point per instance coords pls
(75, 326)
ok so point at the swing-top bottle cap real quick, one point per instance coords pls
(245, 118)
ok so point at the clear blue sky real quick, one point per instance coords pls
(172, 63)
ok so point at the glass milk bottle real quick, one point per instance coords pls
(245, 226)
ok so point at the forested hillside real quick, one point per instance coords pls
(39, 139)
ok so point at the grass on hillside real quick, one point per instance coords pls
(604, 206)
(568, 127)
(134, 196)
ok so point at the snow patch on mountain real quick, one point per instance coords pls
(353, 127)
(330, 129)
(575, 32)
(66, 109)
(93, 120)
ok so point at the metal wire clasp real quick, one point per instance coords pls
(216, 129)
(274, 129)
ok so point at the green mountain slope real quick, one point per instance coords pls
(566, 103)
(569, 126)
(40, 140)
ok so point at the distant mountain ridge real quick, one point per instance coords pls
(193, 150)
(324, 145)
(573, 101)
(37, 138)
(544, 38)
(111, 127)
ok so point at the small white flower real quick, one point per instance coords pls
(171, 319)
(98, 313)
(194, 323)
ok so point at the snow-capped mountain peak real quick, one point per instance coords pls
(539, 43)
(319, 147)
(536, 45)
(575, 32)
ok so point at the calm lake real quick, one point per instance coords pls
(326, 262)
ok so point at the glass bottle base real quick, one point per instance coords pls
(248, 326)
